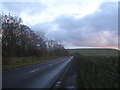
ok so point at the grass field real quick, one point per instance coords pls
(95, 52)
(98, 67)
(15, 62)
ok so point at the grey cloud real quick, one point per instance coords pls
(43, 27)
(86, 31)
(103, 19)
(106, 18)
(67, 22)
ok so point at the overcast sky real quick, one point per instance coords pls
(75, 23)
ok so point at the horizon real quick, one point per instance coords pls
(93, 48)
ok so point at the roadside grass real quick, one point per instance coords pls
(98, 70)
(15, 62)
(98, 74)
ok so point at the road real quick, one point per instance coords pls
(69, 78)
(35, 76)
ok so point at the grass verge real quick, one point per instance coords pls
(99, 72)
(15, 62)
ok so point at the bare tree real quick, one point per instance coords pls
(20, 40)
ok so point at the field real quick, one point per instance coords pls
(95, 52)
(97, 67)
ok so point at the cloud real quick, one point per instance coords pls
(75, 23)
(98, 29)
(30, 12)
(47, 10)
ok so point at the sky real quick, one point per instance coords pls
(75, 23)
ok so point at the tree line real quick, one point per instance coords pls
(20, 40)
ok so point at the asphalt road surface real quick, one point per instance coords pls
(35, 76)
(69, 77)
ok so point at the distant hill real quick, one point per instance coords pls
(95, 51)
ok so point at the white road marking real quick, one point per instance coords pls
(17, 68)
(50, 64)
(70, 87)
(34, 70)
(58, 82)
